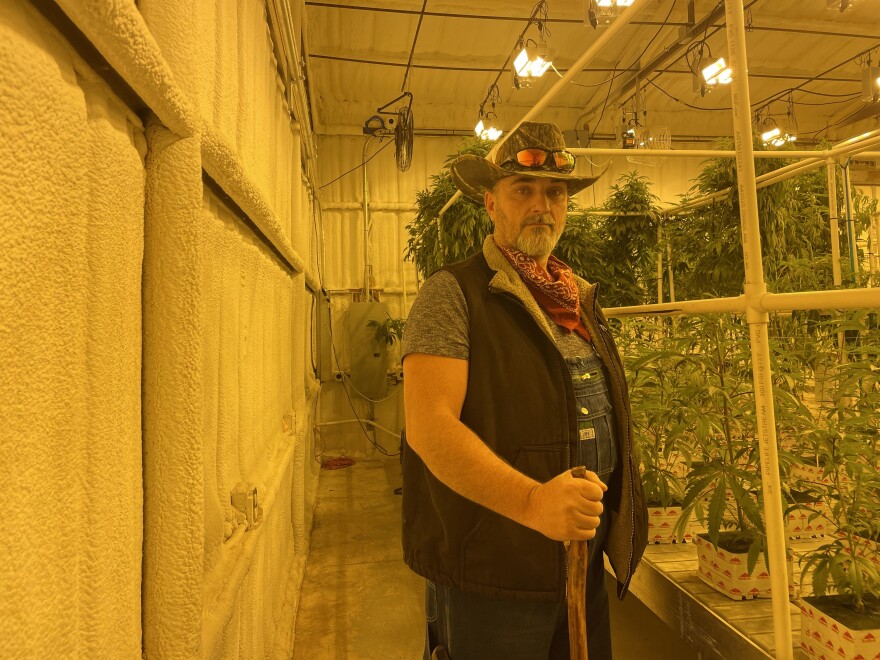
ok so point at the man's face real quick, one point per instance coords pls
(529, 213)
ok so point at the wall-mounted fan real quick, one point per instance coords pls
(401, 122)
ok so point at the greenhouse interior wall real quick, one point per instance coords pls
(175, 348)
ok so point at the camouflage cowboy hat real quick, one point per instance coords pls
(474, 175)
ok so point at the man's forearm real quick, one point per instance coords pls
(461, 460)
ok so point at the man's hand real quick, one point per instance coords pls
(566, 508)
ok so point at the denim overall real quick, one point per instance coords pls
(473, 627)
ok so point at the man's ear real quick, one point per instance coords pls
(489, 203)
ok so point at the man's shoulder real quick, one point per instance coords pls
(476, 263)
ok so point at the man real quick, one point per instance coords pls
(511, 378)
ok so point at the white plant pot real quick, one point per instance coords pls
(804, 523)
(661, 525)
(825, 638)
(727, 572)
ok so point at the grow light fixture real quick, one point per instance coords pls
(532, 62)
(768, 136)
(604, 11)
(718, 73)
(870, 82)
(776, 138)
(486, 128)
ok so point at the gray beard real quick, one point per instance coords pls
(535, 244)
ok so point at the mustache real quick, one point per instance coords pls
(540, 220)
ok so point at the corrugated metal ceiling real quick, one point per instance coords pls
(357, 56)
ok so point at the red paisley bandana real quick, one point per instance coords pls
(555, 291)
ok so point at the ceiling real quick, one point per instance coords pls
(805, 62)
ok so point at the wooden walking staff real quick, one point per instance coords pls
(577, 591)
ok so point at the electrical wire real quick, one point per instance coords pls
(413, 49)
(851, 97)
(357, 167)
(602, 114)
(637, 60)
(695, 107)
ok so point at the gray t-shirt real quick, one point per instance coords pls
(438, 323)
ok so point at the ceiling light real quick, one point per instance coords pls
(532, 62)
(718, 73)
(776, 138)
(870, 82)
(768, 136)
(487, 130)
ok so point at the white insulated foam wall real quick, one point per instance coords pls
(71, 243)
(104, 259)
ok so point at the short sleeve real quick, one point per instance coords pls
(438, 321)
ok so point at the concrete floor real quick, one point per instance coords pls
(360, 602)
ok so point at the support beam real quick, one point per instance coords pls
(758, 320)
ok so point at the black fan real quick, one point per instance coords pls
(403, 138)
(403, 130)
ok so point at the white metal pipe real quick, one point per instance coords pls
(758, 322)
(847, 147)
(670, 273)
(605, 38)
(767, 302)
(736, 305)
(659, 263)
(374, 206)
(833, 299)
(850, 225)
(693, 153)
(400, 247)
(366, 207)
(832, 220)
(367, 422)
(874, 235)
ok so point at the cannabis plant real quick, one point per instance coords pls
(723, 488)
(657, 370)
(848, 446)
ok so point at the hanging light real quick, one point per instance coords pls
(775, 137)
(718, 73)
(486, 128)
(768, 136)
(870, 82)
(532, 61)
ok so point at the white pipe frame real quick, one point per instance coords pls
(701, 153)
(758, 321)
(856, 145)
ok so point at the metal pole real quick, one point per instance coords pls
(832, 220)
(852, 146)
(865, 297)
(735, 305)
(659, 263)
(758, 321)
(875, 236)
(367, 266)
(850, 224)
(605, 38)
(693, 153)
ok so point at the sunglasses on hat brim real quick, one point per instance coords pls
(536, 158)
